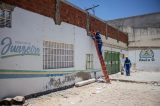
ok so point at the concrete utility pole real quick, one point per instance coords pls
(88, 17)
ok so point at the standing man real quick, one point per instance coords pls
(127, 65)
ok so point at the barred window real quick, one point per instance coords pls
(89, 61)
(57, 55)
(5, 18)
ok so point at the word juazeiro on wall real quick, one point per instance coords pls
(9, 48)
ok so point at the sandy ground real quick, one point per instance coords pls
(102, 94)
(139, 76)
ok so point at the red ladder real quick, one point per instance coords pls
(103, 65)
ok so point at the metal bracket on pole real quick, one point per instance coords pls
(57, 13)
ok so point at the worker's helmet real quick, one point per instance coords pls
(126, 56)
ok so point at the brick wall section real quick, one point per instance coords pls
(112, 32)
(76, 17)
(123, 37)
(73, 16)
(97, 25)
(43, 7)
(68, 14)
(115, 34)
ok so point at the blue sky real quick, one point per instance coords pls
(113, 9)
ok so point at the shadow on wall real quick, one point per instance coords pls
(84, 75)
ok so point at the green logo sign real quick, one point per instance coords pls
(146, 55)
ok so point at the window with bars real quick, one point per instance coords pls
(89, 61)
(57, 55)
(5, 18)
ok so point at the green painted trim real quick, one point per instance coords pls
(6, 56)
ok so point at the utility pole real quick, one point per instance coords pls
(88, 17)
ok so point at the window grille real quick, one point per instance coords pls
(5, 18)
(57, 55)
(89, 61)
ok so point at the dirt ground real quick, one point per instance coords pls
(102, 94)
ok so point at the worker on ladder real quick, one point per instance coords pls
(98, 44)
(98, 39)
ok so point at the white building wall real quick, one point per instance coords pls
(83, 46)
(24, 29)
(34, 28)
(147, 37)
(145, 65)
(29, 29)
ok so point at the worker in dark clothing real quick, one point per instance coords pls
(127, 65)
(98, 39)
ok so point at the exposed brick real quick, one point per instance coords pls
(70, 15)
(97, 25)
(43, 7)
(112, 32)
(73, 16)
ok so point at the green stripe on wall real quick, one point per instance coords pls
(43, 71)
(6, 74)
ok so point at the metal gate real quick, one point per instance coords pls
(112, 60)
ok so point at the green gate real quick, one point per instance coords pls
(112, 60)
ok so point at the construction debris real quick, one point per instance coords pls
(6, 101)
(18, 100)
(82, 83)
(100, 80)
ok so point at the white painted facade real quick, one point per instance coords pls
(144, 34)
(134, 55)
(141, 39)
(32, 29)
